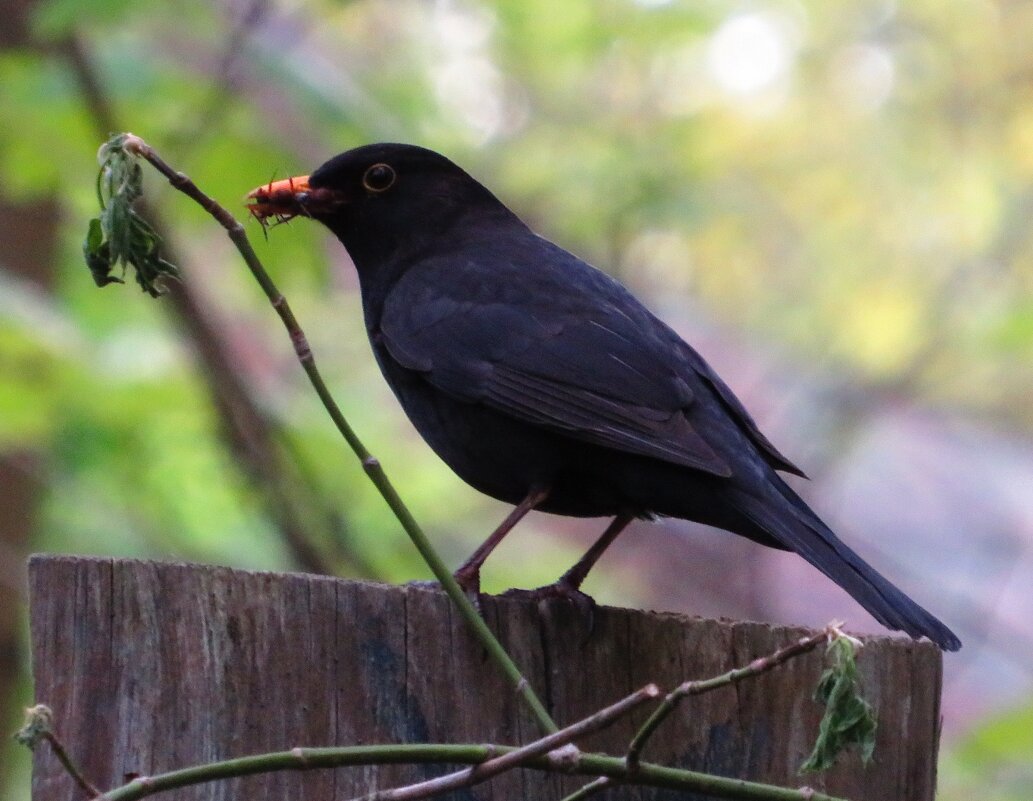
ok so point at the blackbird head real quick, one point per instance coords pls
(385, 202)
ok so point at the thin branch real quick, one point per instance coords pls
(39, 725)
(755, 668)
(88, 787)
(551, 744)
(580, 764)
(370, 464)
(590, 789)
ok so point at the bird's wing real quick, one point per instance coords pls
(587, 370)
(733, 406)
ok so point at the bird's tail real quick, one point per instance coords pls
(791, 522)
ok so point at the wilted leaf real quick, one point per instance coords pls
(97, 254)
(120, 236)
(848, 719)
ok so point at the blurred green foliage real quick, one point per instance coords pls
(850, 181)
(995, 762)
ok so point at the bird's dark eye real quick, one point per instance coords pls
(379, 178)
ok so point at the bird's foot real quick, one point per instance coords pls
(563, 589)
(470, 583)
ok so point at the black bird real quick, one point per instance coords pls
(544, 383)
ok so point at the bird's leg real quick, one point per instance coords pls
(468, 575)
(569, 584)
(573, 578)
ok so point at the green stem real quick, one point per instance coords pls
(590, 789)
(370, 464)
(39, 725)
(646, 774)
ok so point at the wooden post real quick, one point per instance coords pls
(151, 667)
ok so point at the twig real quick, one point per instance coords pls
(590, 789)
(581, 764)
(551, 744)
(39, 725)
(370, 464)
(755, 668)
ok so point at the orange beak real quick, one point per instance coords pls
(291, 197)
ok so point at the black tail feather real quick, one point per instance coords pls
(789, 520)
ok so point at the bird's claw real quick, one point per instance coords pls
(582, 602)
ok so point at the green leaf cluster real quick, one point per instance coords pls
(994, 762)
(120, 235)
(848, 719)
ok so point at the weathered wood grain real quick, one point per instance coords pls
(152, 666)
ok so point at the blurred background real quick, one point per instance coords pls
(831, 201)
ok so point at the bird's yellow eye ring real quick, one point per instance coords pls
(379, 178)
